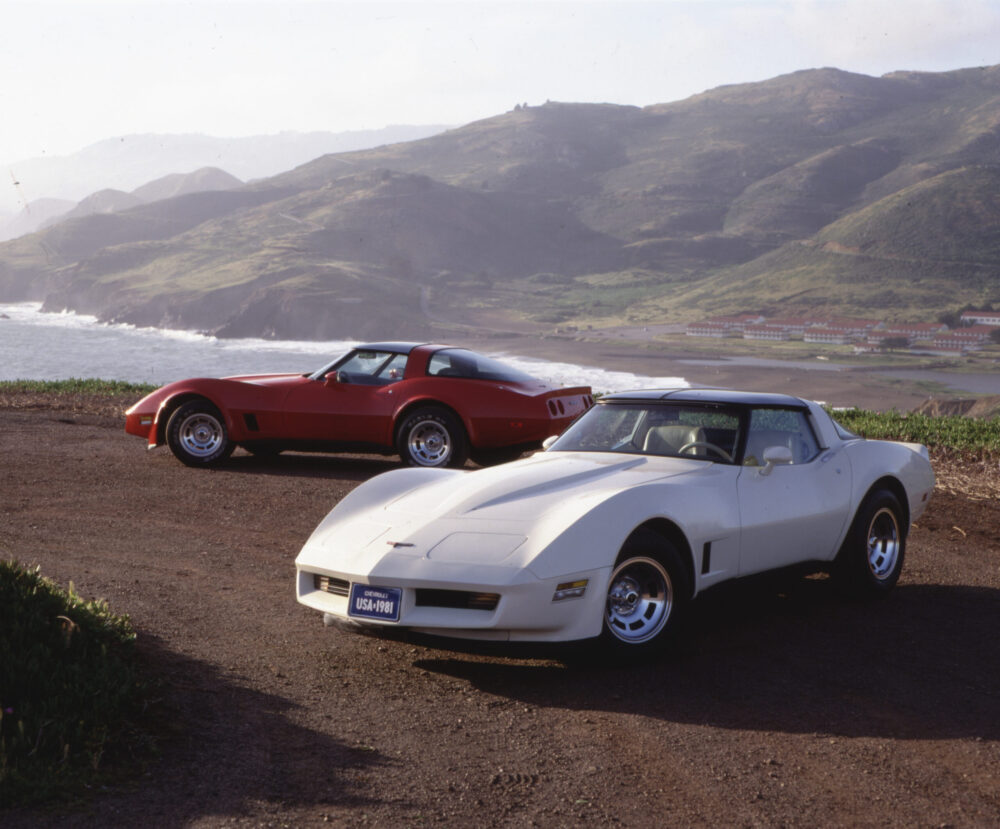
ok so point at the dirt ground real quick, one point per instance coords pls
(787, 706)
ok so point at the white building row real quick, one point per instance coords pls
(866, 334)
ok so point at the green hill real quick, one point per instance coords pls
(816, 191)
(929, 247)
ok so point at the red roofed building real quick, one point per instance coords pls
(948, 345)
(855, 326)
(707, 329)
(793, 325)
(766, 331)
(830, 335)
(990, 318)
(730, 326)
(912, 331)
(972, 334)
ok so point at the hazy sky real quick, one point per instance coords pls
(78, 71)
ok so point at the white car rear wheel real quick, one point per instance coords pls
(871, 558)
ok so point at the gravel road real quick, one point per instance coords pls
(788, 705)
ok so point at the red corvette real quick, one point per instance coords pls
(433, 404)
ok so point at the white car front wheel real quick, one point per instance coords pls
(646, 594)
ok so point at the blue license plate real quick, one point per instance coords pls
(369, 602)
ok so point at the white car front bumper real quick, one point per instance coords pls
(512, 606)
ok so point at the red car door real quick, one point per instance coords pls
(353, 404)
(335, 411)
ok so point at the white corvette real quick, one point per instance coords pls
(646, 500)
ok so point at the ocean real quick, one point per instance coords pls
(45, 346)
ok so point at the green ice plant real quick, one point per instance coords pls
(68, 685)
(949, 433)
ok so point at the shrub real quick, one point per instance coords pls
(976, 437)
(67, 685)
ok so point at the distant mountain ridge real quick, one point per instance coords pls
(129, 161)
(205, 180)
(817, 191)
(48, 212)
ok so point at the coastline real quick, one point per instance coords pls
(844, 386)
(647, 352)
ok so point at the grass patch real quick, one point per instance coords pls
(74, 386)
(69, 689)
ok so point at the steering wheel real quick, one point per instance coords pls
(717, 449)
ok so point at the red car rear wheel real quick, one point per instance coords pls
(433, 437)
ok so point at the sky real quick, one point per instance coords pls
(75, 72)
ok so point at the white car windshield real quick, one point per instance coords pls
(704, 432)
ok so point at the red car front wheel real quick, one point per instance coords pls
(197, 434)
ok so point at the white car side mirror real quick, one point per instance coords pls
(774, 455)
(549, 441)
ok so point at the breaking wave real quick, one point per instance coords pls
(36, 345)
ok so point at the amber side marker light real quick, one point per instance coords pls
(570, 590)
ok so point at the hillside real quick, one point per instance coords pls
(820, 190)
(920, 249)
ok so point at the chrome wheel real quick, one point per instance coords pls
(871, 558)
(197, 434)
(883, 543)
(429, 443)
(432, 436)
(640, 600)
(201, 435)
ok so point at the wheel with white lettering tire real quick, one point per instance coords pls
(871, 557)
(646, 597)
(197, 434)
(434, 437)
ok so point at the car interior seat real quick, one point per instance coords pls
(668, 440)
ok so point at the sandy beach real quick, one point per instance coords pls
(838, 386)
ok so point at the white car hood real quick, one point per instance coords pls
(485, 517)
(526, 489)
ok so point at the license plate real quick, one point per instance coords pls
(369, 602)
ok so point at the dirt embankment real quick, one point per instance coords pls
(985, 407)
(787, 706)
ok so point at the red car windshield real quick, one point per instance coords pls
(365, 365)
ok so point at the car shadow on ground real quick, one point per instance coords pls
(795, 657)
(304, 465)
(222, 749)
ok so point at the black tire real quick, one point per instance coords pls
(647, 596)
(432, 437)
(197, 434)
(496, 456)
(871, 558)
